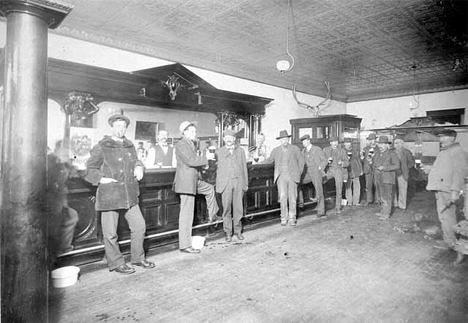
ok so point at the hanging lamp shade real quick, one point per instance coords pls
(283, 65)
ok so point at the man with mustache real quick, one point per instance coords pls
(231, 182)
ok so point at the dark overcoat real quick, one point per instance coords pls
(390, 162)
(188, 163)
(295, 165)
(117, 160)
(222, 173)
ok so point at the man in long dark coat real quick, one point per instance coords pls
(115, 168)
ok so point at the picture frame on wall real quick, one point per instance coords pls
(146, 130)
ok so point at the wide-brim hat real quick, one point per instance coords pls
(371, 136)
(116, 117)
(229, 132)
(283, 134)
(447, 133)
(184, 125)
(383, 140)
(304, 137)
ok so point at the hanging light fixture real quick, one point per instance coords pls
(414, 104)
(284, 65)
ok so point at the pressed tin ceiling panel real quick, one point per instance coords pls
(364, 48)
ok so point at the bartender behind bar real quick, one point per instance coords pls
(162, 154)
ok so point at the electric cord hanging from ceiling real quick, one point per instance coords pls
(283, 65)
(414, 106)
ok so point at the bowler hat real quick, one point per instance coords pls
(399, 137)
(184, 125)
(348, 140)
(333, 139)
(283, 134)
(304, 137)
(371, 136)
(383, 140)
(447, 133)
(116, 117)
(229, 132)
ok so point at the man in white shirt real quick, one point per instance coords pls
(162, 154)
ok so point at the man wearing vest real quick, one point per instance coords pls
(162, 154)
(231, 182)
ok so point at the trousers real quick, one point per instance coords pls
(137, 225)
(232, 207)
(287, 189)
(187, 208)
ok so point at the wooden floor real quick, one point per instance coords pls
(351, 268)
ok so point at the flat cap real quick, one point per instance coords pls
(184, 125)
(116, 117)
(304, 137)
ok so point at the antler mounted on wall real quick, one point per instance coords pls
(314, 109)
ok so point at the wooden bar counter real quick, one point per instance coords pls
(160, 207)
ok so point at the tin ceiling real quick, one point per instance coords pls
(365, 49)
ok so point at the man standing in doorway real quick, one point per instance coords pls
(446, 178)
(406, 163)
(231, 182)
(367, 159)
(315, 164)
(187, 184)
(115, 168)
(337, 163)
(289, 165)
(385, 164)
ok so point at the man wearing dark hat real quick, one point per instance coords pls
(289, 165)
(315, 164)
(406, 163)
(231, 182)
(187, 184)
(114, 167)
(446, 178)
(337, 163)
(367, 158)
(353, 185)
(385, 164)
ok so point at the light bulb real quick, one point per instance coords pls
(283, 66)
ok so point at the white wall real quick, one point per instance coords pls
(384, 113)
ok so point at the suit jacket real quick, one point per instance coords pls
(390, 161)
(222, 173)
(186, 176)
(295, 165)
(406, 162)
(368, 162)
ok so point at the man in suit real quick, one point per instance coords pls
(353, 185)
(337, 163)
(162, 154)
(289, 165)
(385, 164)
(114, 167)
(367, 159)
(187, 184)
(406, 163)
(315, 164)
(231, 183)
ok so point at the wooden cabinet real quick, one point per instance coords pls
(322, 128)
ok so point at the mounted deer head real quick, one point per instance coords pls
(314, 109)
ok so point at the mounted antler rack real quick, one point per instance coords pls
(314, 109)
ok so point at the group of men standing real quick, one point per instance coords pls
(115, 168)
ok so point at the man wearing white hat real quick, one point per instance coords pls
(289, 165)
(187, 184)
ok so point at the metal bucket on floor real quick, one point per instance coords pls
(198, 242)
(65, 276)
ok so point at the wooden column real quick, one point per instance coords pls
(24, 273)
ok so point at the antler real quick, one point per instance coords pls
(313, 109)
